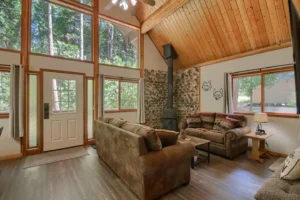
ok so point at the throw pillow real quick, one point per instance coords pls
(241, 118)
(105, 119)
(219, 117)
(117, 122)
(227, 124)
(152, 140)
(291, 167)
(208, 120)
(193, 121)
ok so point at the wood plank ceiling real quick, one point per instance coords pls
(206, 30)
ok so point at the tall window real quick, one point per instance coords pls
(10, 24)
(60, 31)
(33, 126)
(118, 45)
(120, 95)
(270, 91)
(4, 92)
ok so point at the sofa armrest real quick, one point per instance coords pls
(167, 137)
(237, 133)
(168, 157)
(182, 124)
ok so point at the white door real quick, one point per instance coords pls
(63, 95)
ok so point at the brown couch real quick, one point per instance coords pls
(228, 144)
(149, 174)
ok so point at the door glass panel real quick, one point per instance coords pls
(63, 96)
(90, 105)
(33, 118)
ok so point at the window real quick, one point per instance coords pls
(271, 91)
(64, 32)
(33, 110)
(63, 96)
(90, 108)
(120, 95)
(118, 45)
(4, 92)
(10, 23)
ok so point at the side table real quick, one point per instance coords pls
(258, 145)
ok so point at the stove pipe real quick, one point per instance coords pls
(170, 116)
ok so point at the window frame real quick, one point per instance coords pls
(119, 109)
(262, 73)
(7, 70)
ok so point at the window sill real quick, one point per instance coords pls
(4, 116)
(270, 114)
(120, 111)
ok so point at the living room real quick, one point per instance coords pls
(149, 99)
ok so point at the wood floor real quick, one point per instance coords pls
(90, 178)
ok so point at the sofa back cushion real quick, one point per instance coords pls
(117, 122)
(242, 119)
(219, 118)
(193, 121)
(151, 138)
(208, 119)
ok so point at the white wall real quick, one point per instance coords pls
(285, 130)
(8, 145)
(42, 62)
(117, 13)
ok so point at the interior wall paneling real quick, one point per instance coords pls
(209, 30)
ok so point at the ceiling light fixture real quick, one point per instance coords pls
(124, 5)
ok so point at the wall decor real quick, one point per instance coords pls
(218, 94)
(206, 86)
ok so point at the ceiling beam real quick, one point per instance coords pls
(162, 12)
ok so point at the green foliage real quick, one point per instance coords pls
(10, 24)
(66, 30)
(128, 95)
(64, 95)
(111, 94)
(4, 92)
(113, 47)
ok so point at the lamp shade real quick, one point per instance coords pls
(261, 117)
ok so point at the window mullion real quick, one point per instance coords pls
(119, 95)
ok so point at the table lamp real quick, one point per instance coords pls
(260, 118)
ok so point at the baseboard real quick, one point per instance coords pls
(276, 154)
(12, 156)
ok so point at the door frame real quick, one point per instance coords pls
(41, 96)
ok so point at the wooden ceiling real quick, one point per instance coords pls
(205, 31)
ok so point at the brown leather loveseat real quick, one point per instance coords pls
(228, 143)
(149, 161)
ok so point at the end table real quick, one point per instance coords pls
(258, 145)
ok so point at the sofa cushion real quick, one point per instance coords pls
(213, 136)
(219, 117)
(242, 119)
(227, 124)
(152, 140)
(167, 137)
(105, 119)
(117, 122)
(291, 167)
(208, 120)
(193, 121)
(277, 189)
